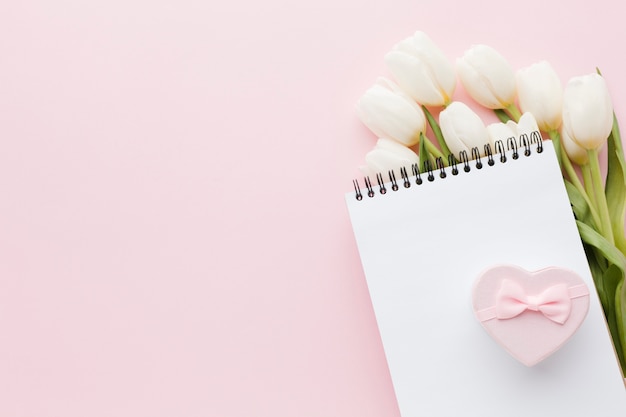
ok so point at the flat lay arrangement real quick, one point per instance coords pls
(322, 209)
(494, 258)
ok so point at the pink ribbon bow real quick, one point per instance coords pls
(554, 302)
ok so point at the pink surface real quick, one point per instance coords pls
(173, 235)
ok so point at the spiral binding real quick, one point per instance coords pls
(499, 153)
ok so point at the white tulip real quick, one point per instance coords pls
(390, 113)
(462, 129)
(422, 70)
(487, 77)
(501, 132)
(388, 155)
(574, 151)
(540, 92)
(525, 126)
(587, 111)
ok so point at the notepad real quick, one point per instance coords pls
(422, 246)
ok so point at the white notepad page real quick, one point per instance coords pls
(421, 250)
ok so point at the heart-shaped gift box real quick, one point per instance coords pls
(530, 314)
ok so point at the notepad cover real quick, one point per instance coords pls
(421, 250)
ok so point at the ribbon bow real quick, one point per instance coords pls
(554, 302)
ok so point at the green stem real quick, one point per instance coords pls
(619, 318)
(433, 150)
(437, 131)
(585, 193)
(502, 115)
(514, 112)
(616, 177)
(586, 170)
(603, 208)
(556, 141)
(566, 164)
(433, 161)
(423, 152)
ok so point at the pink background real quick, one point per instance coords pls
(173, 235)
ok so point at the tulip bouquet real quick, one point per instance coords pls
(579, 119)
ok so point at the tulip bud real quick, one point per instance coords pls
(422, 70)
(500, 132)
(462, 129)
(390, 113)
(575, 152)
(525, 126)
(388, 155)
(587, 111)
(540, 92)
(487, 77)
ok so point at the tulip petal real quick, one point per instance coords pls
(413, 76)
(526, 125)
(423, 70)
(463, 129)
(500, 132)
(574, 151)
(587, 111)
(391, 114)
(441, 70)
(487, 76)
(389, 155)
(540, 92)
(513, 126)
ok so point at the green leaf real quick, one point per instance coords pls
(423, 153)
(597, 272)
(579, 204)
(595, 239)
(611, 280)
(615, 188)
(502, 115)
(437, 131)
(620, 313)
(609, 284)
